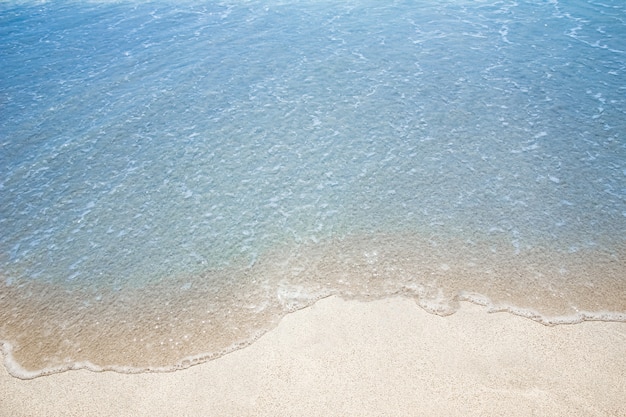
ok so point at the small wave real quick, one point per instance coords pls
(183, 321)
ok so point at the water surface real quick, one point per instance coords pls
(175, 177)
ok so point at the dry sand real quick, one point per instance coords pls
(348, 358)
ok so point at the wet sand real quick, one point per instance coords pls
(386, 357)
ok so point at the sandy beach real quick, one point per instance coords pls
(384, 357)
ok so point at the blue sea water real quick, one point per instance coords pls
(214, 165)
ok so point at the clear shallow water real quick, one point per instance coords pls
(176, 177)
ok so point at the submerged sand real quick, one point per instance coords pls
(186, 320)
(386, 357)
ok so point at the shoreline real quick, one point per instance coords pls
(187, 319)
(384, 357)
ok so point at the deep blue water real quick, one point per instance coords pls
(223, 145)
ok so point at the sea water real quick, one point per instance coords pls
(177, 176)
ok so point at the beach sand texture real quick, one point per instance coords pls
(350, 358)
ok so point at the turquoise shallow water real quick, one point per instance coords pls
(218, 164)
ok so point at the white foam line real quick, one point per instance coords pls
(534, 315)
